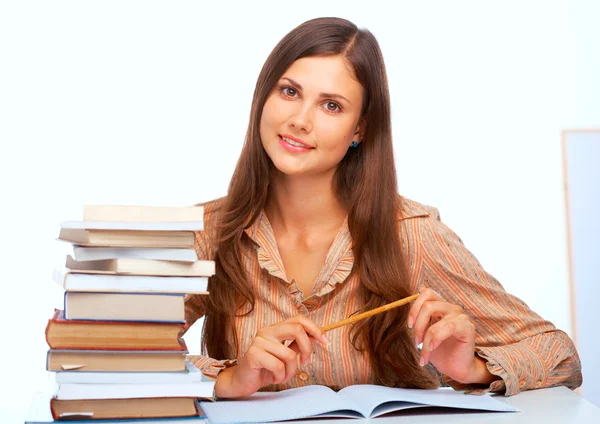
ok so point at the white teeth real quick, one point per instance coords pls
(293, 143)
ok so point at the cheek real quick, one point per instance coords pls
(338, 135)
(266, 119)
(272, 111)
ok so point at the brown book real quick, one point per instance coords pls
(124, 238)
(111, 335)
(131, 266)
(116, 360)
(124, 408)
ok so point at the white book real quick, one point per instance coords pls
(191, 375)
(74, 391)
(133, 226)
(129, 283)
(138, 213)
(100, 253)
(142, 267)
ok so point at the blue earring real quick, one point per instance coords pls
(354, 144)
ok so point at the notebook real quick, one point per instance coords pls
(358, 401)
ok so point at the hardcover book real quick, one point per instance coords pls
(111, 335)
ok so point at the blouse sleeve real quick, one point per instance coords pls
(520, 347)
(194, 303)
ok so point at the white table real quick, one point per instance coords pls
(555, 405)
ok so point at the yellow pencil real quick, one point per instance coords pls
(370, 313)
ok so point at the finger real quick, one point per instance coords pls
(438, 332)
(284, 354)
(430, 311)
(294, 346)
(259, 358)
(308, 328)
(312, 329)
(457, 326)
(301, 341)
(464, 331)
(425, 295)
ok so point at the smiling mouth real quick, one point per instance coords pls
(295, 143)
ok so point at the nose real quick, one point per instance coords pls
(301, 120)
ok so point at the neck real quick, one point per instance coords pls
(304, 204)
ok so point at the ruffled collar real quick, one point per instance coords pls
(338, 264)
(336, 269)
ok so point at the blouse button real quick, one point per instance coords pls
(303, 376)
(538, 384)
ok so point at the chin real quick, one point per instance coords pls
(286, 169)
(287, 165)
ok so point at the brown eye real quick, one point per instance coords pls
(333, 107)
(289, 91)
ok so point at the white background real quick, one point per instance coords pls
(582, 152)
(146, 102)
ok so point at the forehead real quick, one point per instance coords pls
(328, 74)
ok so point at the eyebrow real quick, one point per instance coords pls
(328, 95)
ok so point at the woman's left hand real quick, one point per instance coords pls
(448, 338)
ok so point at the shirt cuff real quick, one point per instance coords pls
(518, 366)
(211, 367)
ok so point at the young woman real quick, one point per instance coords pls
(312, 230)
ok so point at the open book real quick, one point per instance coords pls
(359, 401)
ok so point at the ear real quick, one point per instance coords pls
(359, 132)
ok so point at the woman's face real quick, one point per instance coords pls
(311, 116)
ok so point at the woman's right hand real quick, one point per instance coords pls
(268, 360)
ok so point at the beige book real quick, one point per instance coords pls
(124, 213)
(115, 238)
(112, 360)
(142, 267)
(125, 306)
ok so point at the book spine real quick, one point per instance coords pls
(50, 323)
(53, 409)
(65, 305)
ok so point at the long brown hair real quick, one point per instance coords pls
(365, 183)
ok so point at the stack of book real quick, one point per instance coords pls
(115, 346)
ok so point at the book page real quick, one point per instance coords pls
(378, 400)
(289, 404)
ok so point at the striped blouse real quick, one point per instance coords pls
(520, 347)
